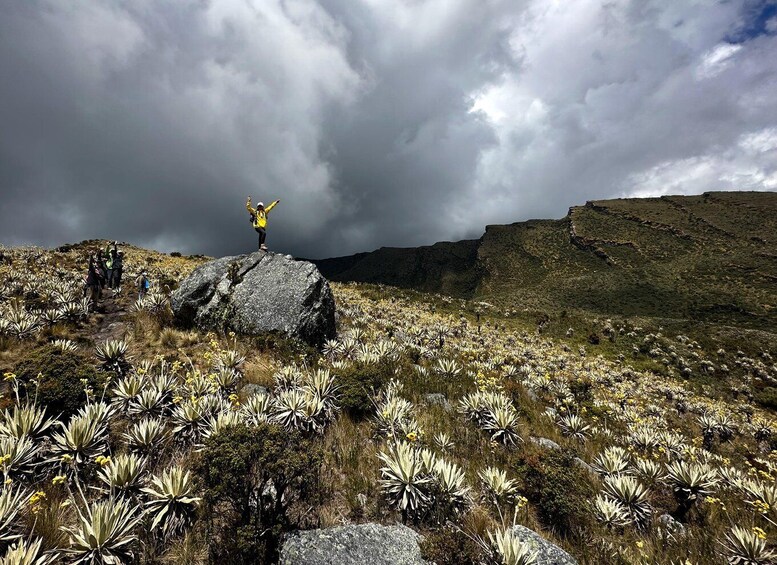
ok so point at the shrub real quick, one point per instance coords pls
(253, 478)
(450, 546)
(558, 486)
(767, 397)
(581, 388)
(358, 383)
(64, 377)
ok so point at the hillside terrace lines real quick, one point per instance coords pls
(593, 245)
(600, 207)
(692, 217)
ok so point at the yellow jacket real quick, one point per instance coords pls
(260, 216)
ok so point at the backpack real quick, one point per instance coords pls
(252, 219)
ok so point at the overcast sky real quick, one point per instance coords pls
(376, 122)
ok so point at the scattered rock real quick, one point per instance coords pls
(437, 399)
(583, 465)
(547, 552)
(353, 545)
(258, 293)
(670, 525)
(545, 443)
(251, 389)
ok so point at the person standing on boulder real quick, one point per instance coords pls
(259, 219)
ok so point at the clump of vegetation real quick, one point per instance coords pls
(451, 546)
(358, 384)
(58, 378)
(257, 483)
(558, 486)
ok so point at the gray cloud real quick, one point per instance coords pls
(377, 122)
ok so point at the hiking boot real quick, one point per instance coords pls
(263, 248)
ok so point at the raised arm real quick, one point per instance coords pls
(249, 208)
(271, 206)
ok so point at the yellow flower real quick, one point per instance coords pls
(759, 532)
(37, 497)
(58, 480)
(640, 544)
(412, 436)
(102, 460)
(8, 376)
(67, 458)
(761, 506)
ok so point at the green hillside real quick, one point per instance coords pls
(711, 257)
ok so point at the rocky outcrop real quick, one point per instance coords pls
(255, 294)
(371, 544)
(547, 553)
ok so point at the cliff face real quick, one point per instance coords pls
(445, 267)
(711, 257)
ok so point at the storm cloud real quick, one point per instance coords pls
(376, 122)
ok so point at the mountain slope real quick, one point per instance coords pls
(711, 257)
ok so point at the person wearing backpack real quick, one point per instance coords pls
(259, 219)
(112, 262)
(142, 283)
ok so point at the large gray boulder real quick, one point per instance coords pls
(547, 552)
(370, 544)
(258, 293)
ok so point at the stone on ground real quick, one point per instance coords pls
(364, 544)
(547, 552)
(255, 294)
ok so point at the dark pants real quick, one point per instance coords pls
(116, 280)
(262, 235)
(93, 290)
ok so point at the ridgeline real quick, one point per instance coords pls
(711, 258)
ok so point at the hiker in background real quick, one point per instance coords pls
(108, 258)
(259, 219)
(118, 269)
(92, 283)
(142, 283)
(113, 255)
(101, 270)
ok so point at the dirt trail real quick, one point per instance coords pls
(113, 311)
